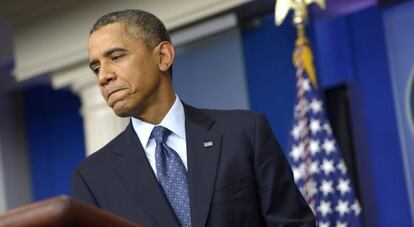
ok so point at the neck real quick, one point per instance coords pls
(156, 113)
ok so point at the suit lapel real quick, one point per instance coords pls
(203, 153)
(138, 177)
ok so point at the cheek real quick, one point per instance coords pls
(137, 74)
(136, 78)
(128, 73)
(103, 93)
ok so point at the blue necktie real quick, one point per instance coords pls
(172, 176)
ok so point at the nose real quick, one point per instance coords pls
(106, 75)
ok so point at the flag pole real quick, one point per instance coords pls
(303, 55)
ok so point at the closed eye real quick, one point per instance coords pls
(96, 70)
(116, 57)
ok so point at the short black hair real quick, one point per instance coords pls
(139, 23)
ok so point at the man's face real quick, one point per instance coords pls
(127, 71)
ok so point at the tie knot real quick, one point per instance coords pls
(160, 134)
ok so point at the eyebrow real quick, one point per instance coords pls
(106, 54)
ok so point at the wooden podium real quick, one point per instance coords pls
(63, 212)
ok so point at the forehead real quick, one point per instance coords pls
(109, 36)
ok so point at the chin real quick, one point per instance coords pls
(121, 110)
(124, 109)
(121, 113)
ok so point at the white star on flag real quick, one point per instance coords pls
(311, 188)
(328, 146)
(327, 187)
(298, 172)
(343, 207)
(316, 106)
(296, 132)
(314, 146)
(296, 152)
(314, 167)
(341, 224)
(343, 186)
(356, 207)
(327, 128)
(325, 208)
(315, 126)
(327, 166)
(341, 166)
(323, 224)
(306, 85)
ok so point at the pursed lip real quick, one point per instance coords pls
(111, 92)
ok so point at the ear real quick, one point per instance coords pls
(166, 56)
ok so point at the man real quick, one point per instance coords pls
(175, 164)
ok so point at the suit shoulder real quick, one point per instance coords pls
(242, 121)
(103, 156)
(233, 115)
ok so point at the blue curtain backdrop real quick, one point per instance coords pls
(55, 139)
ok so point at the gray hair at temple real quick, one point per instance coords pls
(138, 23)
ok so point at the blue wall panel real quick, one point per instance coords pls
(270, 74)
(399, 29)
(55, 139)
(333, 51)
(381, 133)
(209, 72)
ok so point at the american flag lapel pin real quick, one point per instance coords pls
(208, 144)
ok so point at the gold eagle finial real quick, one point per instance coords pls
(283, 7)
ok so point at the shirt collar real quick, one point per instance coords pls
(174, 120)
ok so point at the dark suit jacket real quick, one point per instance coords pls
(242, 180)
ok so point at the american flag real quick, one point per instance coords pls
(317, 163)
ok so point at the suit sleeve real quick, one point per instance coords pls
(81, 190)
(280, 200)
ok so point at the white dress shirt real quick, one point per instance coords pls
(175, 122)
